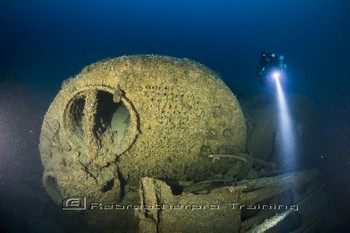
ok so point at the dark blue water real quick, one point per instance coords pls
(44, 42)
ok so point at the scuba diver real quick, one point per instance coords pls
(270, 63)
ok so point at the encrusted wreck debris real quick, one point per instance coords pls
(134, 116)
(166, 137)
(254, 205)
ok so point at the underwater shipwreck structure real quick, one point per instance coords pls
(160, 144)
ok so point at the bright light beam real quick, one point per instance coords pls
(286, 133)
(276, 75)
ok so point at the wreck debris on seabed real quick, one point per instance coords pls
(293, 202)
(126, 131)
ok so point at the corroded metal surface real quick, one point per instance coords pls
(284, 203)
(134, 116)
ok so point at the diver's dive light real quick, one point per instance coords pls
(270, 67)
(276, 74)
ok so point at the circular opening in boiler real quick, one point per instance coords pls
(120, 122)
